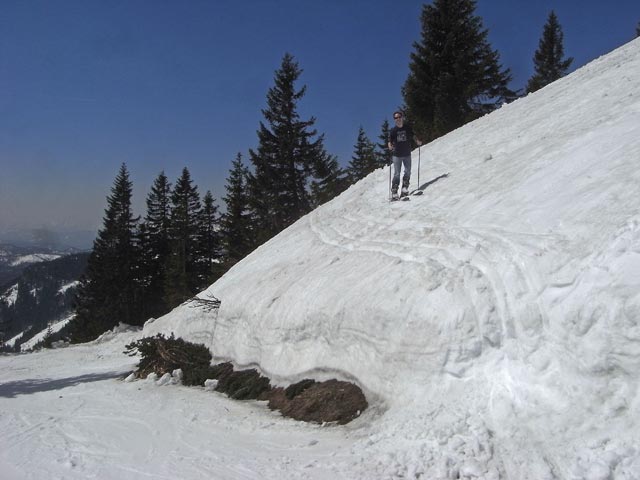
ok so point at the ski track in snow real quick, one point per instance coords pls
(502, 289)
(501, 280)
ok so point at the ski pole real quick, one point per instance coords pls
(418, 191)
(418, 167)
(390, 182)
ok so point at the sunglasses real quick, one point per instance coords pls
(397, 117)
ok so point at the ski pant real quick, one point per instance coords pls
(397, 164)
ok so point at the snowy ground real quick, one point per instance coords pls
(66, 414)
(494, 322)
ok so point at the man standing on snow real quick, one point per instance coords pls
(400, 139)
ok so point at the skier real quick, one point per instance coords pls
(400, 139)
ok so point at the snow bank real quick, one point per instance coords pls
(496, 317)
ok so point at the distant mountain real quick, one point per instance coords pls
(15, 258)
(41, 294)
(62, 240)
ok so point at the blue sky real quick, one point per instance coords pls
(86, 85)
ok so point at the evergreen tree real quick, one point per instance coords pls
(153, 238)
(182, 277)
(286, 158)
(364, 160)
(383, 152)
(331, 181)
(549, 65)
(106, 293)
(455, 76)
(143, 271)
(209, 248)
(237, 233)
(5, 323)
(176, 284)
(47, 342)
(25, 302)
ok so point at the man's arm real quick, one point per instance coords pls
(415, 138)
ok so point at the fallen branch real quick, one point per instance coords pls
(209, 304)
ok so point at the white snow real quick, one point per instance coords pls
(67, 286)
(494, 323)
(12, 341)
(10, 295)
(34, 258)
(54, 326)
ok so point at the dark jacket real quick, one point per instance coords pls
(401, 138)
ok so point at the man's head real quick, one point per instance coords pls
(398, 118)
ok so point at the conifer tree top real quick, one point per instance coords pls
(454, 76)
(548, 59)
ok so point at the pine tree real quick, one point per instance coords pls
(331, 181)
(382, 151)
(364, 160)
(455, 76)
(106, 293)
(549, 65)
(25, 302)
(5, 323)
(236, 231)
(286, 157)
(153, 239)
(47, 342)
(209, 248)
(143, 272)
(182, 277)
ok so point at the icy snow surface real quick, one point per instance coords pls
(494, 322)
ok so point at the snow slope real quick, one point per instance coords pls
(494, 322)
(10, 295)
(34, 258)
(499, 311)
(53, 327)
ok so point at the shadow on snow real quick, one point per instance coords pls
(37, 385)
(423, 187)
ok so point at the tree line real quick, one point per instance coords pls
(142, 268)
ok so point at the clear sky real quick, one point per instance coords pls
(86, 85)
